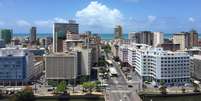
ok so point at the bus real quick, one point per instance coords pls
(113, 72)
(109, 62)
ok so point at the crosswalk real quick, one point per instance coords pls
(120, 91)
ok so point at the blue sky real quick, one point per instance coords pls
(101, 16)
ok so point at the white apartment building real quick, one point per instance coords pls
(123, 53)
(173, 68)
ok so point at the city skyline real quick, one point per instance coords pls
(101, 16)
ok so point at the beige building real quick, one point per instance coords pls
(158, 38)
(61, 66)
(182, 39)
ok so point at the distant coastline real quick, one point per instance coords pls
(104, 36)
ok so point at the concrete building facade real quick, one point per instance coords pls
(61, 66)
(16, 65)
(173, 68)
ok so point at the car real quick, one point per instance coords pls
(130, 86)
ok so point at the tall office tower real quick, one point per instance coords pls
(182, 38)
(144, 37)
(155, 64)
(32, 37)
(6, 35)
(158, 38)
(193, 38)
(118, 32)
(59, 33)
(61, 66)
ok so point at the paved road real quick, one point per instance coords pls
(118, 89)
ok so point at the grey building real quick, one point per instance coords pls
(61, 66)
(195, 67)
(32, 37)
(84, 59)
(144, 37)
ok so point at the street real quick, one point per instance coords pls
(118, 89)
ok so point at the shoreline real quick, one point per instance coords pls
(64, 97)
(169, 95)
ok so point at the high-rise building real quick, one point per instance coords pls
(182, 38)
(155, 64)
(118, 32)
(158, 38)
(144, 37)
(60, 31)
(32, 37)
(84, 59)
(193, 38)
(6, 35)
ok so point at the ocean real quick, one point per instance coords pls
(103, 36)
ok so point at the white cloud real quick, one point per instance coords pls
(49, 23)
(191, 19)
(99, 15)
(135, 1)
(23, 23)
(58, 19)
(43, 23)
(151, 18)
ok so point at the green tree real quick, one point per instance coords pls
(98, 83)
(61, 87)
(25, 95)
(163, 90)
(89, 86)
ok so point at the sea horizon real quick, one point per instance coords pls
(104, 36)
